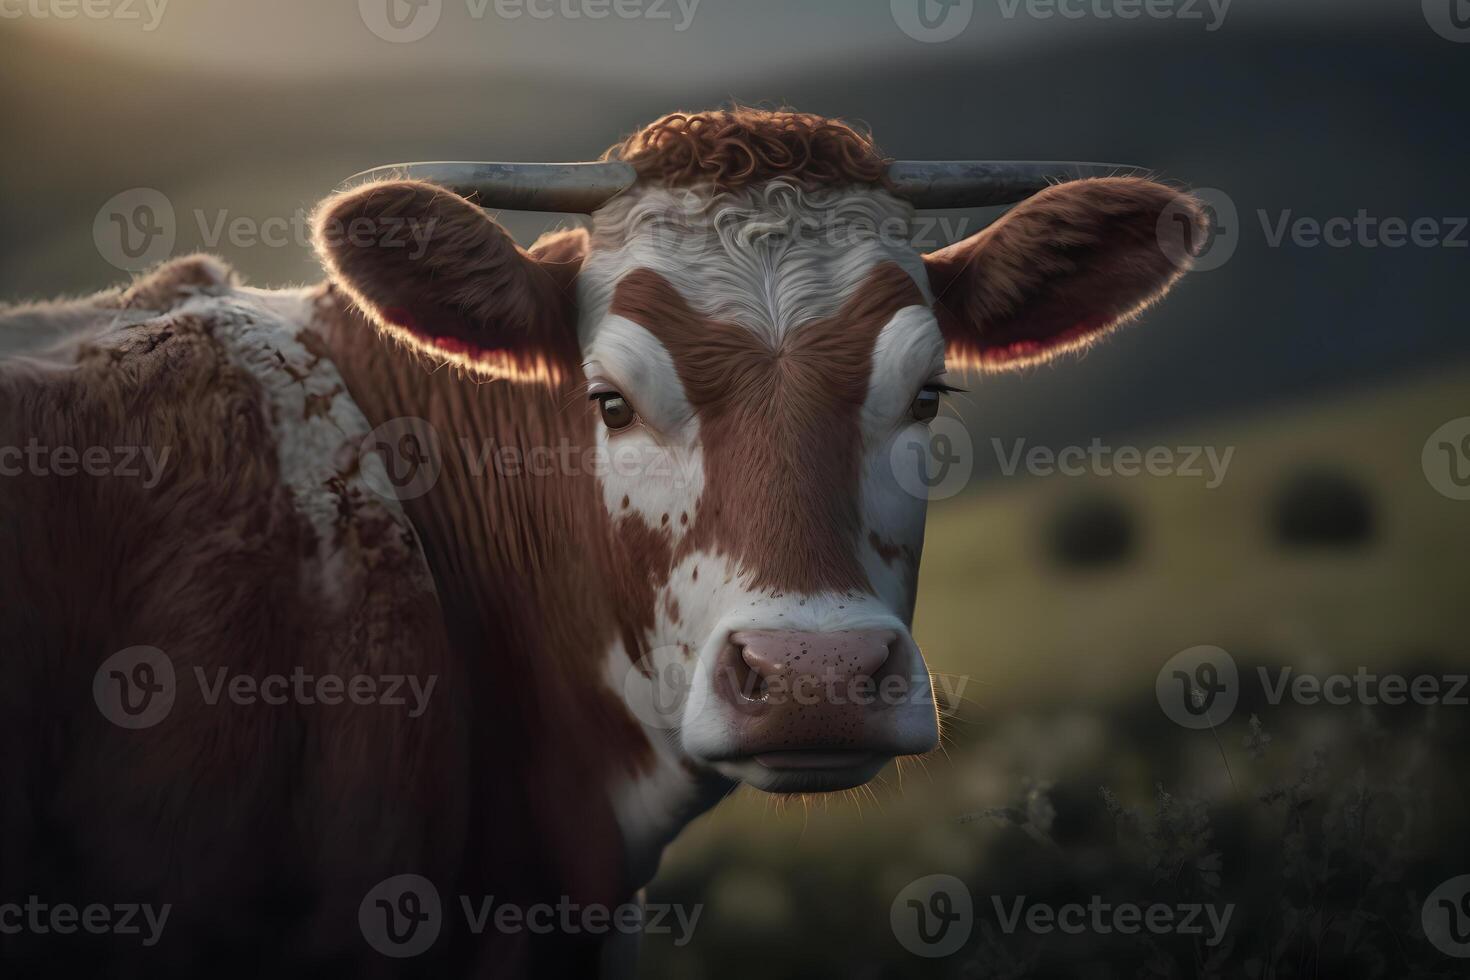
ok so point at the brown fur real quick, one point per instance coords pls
(176, 281)
(530, 580)
(225, 810)
(734, 148)
(645, 559)
(779, 427)
(264, 827)
(1056, 273)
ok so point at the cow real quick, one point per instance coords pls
(544, 489)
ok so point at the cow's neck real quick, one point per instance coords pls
(527, 569)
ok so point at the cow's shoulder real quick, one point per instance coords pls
(224, 518)
(213, 417)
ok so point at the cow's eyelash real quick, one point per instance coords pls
(944, 389)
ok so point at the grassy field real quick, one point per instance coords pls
(1208, 570)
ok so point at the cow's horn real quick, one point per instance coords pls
(980, 183)
(577, 188)
(585, 187)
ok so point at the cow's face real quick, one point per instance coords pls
(754, 357)
(754, 364)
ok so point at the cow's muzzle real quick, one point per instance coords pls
(820, 711)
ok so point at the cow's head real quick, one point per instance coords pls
(753, 333)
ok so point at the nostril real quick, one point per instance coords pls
(884, 656)
(765, 653)
(886, 642)
(747, 672)
(739, 680)
(750, 672)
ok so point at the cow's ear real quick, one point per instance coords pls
(1061, 269)
(432, 269)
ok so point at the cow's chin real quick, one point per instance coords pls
(814, 771)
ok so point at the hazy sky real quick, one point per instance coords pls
(652, 40)
(1292, 106)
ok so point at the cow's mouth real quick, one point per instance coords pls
(803, 712)
(799, 759)
(804, 771)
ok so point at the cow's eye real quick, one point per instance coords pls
(926, 405)
(617, 411)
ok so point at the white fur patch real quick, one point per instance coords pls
(633, 360)
(771, 258)
(657, 465)
(317, 427)
(908, 354)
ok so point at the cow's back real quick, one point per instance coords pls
(190, 480)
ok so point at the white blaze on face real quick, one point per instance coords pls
(772, 259)
(908, 355)
(655, 466)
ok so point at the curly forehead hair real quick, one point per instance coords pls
(734, 148)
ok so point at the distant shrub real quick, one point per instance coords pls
(1323, 509)
(1092, 532)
